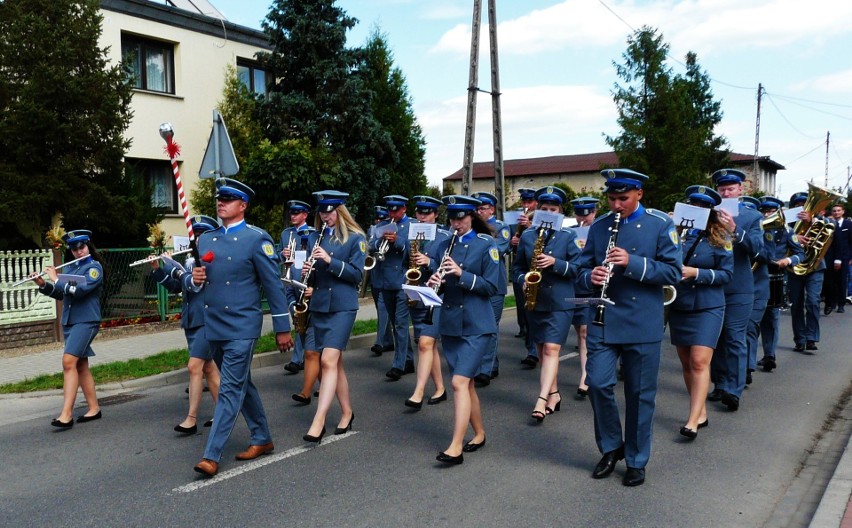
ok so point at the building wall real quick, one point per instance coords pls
(580, 183)
(199, 62)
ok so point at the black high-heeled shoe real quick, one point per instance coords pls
(315, 439)
(344, 430)
(539, 415)
(557, 407)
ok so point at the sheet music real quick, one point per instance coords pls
(180, 243)
(791, 215)
(424, 294)
(691, 216)
(511, 217)
(732, 205)
(547, 217)
(427, 230)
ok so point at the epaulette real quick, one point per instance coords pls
(483, 236)
(659, 214)
(599, 218)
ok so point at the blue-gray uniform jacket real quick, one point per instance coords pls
(781, 243)
(748, 243)
(503, 239)
(244, 259)
(300, 234)
(81, 302)
(390, 273)
(176, 280)
(467, 299)
(345, 269)
(557, 281)
(650, 238)
(715, 270)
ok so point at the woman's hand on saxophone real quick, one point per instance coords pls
(544, 261)
(422, 260)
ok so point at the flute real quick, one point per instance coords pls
(152, 258)
(43, 273)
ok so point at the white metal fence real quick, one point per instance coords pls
(23, 304)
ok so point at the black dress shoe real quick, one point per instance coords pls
(769, 364)
(394, 374)
(293, 367)
(607, 463)
(470, 447)
(582, 393)
(495, 374)
(799, 348)
(521, 334)
(438, 399)
(634, 477)
(409, 367)
(447, 459)
(344, 430)
(84, 418)
(530, 361)
(811, 345)
(56, 422)
(413, 404)
(481, 380)
(208, 423)
(730, 401)
(316, 394)
(749, 379)
(692, 434)
(301, 398)
(715, 395)
(828, 310)
(377, 350)
(186, 430)
(316, 439)
(841, 309)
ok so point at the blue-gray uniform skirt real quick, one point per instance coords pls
(330, 330)
(78, 338)
(549, 327)
(418, 316)
(698, 328)
(464, 353)
(198, 345)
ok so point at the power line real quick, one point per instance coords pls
(771, 100)
(822, 144)
(812, 101)
(791, 101)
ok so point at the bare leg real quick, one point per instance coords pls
(700, 357)
(312, 369)
(476, 416)
(70, 382)
(549, 374)
(343, 395)
(211, 374)
(328, 388)
(87, 383)
(424, 366)
(582, 330)
(437, 376)
(461, 405)
(195, 367)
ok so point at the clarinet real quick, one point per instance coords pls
(613, 238)
(439, 289)
(300, 309)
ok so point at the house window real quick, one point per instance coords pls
(158, 177)
(252, 76)
(149, 63)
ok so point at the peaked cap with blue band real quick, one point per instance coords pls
(622, 180)
(458, 206)
(771, 202)
(526, 194)
(727, 176)
(799, 197)
(485, 198)
(381, 212)
(230, 189)
(202, 223)
(298, 206)
(426, 204)
(551, 194)
(749, 201)
(585, 205)
(78, 236)
(327, 201)
(704, 194)
(395, 202)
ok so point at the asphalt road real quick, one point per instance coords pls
(131, 469)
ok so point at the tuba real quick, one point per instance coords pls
(532, 278)
(817, 231)
(773, 221)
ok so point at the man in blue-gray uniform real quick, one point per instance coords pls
(490, 368)
(528, 206)
(784, 251)
(237, 259)
(805, 290)
(585, 211)
(384, 332)
(729, 366)
(645, 257)
(295, 238)
(760, 276)
(390, 273)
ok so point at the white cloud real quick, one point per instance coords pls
(839, 82)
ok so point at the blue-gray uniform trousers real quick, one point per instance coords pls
(730, 360)
(396, 304)
(804, 300)
(384, 332)
(761, 299)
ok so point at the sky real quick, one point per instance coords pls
(557, 75)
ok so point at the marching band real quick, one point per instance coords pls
(732, 275)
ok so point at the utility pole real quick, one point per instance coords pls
(496, 119)
(754, 173)
(827, 136)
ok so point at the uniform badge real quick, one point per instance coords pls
(505, 233)
(268, 249)
(729, 246)
(94, 274)
(363, 246)
(673, 236)
(495, 256)
(580, 243)
(768, 236)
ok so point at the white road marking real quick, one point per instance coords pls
(569, 356)
(256, 463)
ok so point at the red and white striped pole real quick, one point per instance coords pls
(173, 151)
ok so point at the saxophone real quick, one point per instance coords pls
(532, 278)
(413, 274)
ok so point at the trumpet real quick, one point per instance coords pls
(291, 246)
(43, 273)
(300, 308)
(384, 246)
(441, 272)
(613, 238)
(152, 258)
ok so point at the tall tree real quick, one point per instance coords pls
(667, 121)
(321, 97)
(65, 109)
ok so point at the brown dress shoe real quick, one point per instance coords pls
(255, 451)
(207, 467)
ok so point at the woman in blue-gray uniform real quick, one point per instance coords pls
(338, 266)
(469, 275)
(585, 211)
(200, 364)
(696, 315)
(79, 289)
(547, 276)
(634, 266)
(426, 333)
